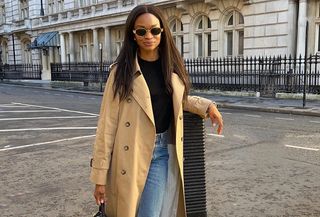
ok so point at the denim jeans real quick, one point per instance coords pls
(153, 193)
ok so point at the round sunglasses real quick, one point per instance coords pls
(142, 31)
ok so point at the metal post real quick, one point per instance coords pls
(305, 67)
(14, 53)
(101, 73)
(41, 9)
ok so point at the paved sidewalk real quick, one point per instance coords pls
(289, 106)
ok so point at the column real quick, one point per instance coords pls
(71, 47)
(62, 48)
(88, 42)
(107, 43)
(302, 23)
(95, 52)
(292, 27)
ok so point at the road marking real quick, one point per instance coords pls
(227, 113)
(13, 106)
(305, 148)
(45, 118)
(45, 143)
(215, 135)
(285, 119)
(30, 111)
(57, 94)
(253, 116)
(66, 110)
(49, 128)
(316, 122)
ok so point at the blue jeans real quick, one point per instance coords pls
(154, 189)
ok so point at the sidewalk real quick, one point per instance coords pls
(288, 106)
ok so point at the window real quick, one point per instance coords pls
(176, 28)
(234, 34)
(83, 48)
(119, 37)
(2, 14)
(60, 5)
(26, 53)
(24, 9)
(203, 36)
(51, 8)
(4, 52)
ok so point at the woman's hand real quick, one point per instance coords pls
(215, 117)
(100, 194)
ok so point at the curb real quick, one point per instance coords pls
(220, 105)
(269, 109)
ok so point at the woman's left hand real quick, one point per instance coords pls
(216, 117)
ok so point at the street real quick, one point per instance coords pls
(266, 164)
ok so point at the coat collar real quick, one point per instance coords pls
(141, 92)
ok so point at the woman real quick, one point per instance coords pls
(138, 152)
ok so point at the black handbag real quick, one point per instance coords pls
(101, 212)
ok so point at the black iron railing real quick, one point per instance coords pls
(83, 72)
(264, 74)
(20, 71)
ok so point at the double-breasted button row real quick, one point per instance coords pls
(123, 172)
(127, 124)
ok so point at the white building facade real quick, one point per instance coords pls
(48, 31)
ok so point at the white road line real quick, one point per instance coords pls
(253, 116)
(285, 119)
(49, 128)
(226, 113)
(316, 122)
(13, 106)
(45, 118)
(66, 110)
(215, 135)
(57, 94)
(29, 111)
(45, 143)
(305, 148)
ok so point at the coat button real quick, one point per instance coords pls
(123, 172)
(180, 117)
(181, 139)
(127, 124)
(129, 100)
(126, 148)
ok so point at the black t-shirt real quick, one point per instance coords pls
(161, 100)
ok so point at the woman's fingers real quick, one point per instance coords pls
(99, 194)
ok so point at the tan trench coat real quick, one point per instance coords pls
(125, 140)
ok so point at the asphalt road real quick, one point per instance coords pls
(265, 165)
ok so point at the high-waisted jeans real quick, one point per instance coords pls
(153, 194)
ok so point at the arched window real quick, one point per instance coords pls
(176, 28)
(234, 34)
(26, 52)
(4, 52)
(202, 36)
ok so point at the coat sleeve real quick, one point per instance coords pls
(197, 105)
(105, 134)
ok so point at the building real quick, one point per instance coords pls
(47, 31)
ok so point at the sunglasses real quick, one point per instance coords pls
(142, 32)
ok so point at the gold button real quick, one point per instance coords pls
(126, 148)
(181, 139)
(129, 100)
(180, 117)
(127, 124)
(123, 172)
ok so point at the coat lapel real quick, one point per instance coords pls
(141, 92)
(177, 96)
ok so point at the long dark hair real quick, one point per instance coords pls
(171, 60)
